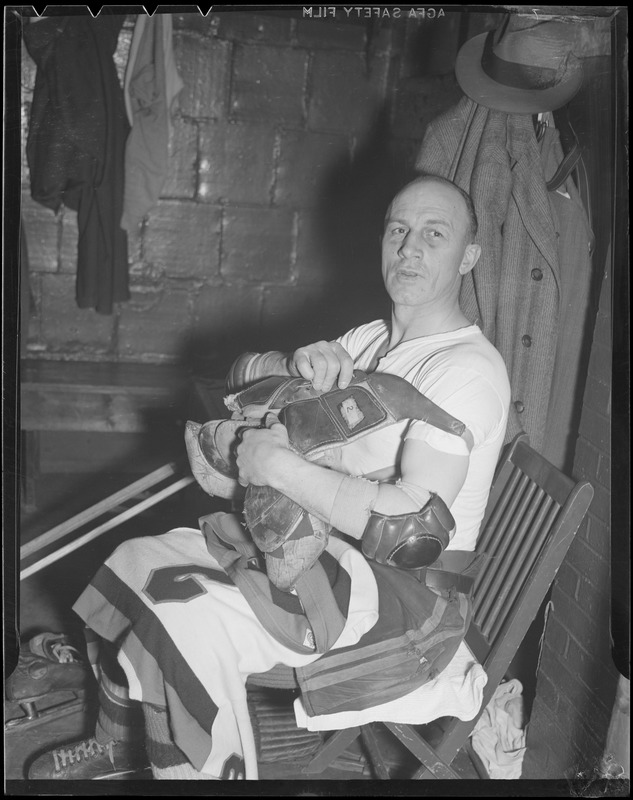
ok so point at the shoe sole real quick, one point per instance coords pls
(144, 774)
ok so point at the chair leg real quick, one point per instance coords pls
(477, 763)
(375, 756)
(334, 746)
(423, 752)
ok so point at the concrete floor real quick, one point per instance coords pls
(44, 603)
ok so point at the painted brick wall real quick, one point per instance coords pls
(577, 679)
(289, 140)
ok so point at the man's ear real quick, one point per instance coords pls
(471, 257)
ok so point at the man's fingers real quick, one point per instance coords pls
(271, 419)
(324, 364)
(311, 364)
(326, 368)
(340, 367)
(346, 367)
(345, 375)
(327, 365)
(303, 364)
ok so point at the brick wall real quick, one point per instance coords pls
(290, 137)
(577, 679)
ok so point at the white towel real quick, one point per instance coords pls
(499, 736)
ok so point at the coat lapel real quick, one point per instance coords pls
(529, 190)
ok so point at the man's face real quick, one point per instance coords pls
(425, 245)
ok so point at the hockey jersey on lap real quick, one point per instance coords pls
(181, 626)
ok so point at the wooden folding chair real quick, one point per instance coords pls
(533, 514)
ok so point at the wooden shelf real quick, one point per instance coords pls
(85, 396)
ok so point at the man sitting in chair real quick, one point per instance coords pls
(182, 637)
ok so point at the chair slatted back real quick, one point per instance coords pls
(533, 512)
(532, 516)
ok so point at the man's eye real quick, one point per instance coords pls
(435, 234)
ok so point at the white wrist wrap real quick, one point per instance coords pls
(240, 374)
(265, 365)
(251, 367)
(352, 505)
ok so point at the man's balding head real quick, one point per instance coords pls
(473, 224)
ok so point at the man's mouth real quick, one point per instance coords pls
(404, 272)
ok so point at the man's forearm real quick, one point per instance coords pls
(334, 497)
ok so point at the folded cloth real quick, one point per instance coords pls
(457, 691)
(499, 736)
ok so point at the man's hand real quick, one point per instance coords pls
(324, 364)
(259, 452)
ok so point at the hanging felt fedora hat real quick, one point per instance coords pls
(523, 67)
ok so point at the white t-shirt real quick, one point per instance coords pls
(462, 373)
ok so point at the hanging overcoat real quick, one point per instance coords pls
(76, 142)
(514, 291)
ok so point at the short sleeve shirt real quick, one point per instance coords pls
(464, 374)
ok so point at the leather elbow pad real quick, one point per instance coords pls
(409, 541)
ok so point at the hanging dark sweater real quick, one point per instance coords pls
(76, 145)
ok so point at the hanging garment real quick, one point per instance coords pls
(575, 247)
(151, 86)
(75, 145)
(513, 293)
(498, 737)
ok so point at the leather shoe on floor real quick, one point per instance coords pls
(88, 760)
(47, 663)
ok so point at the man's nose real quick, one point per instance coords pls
(411, 246)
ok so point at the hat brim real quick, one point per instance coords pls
(481, 88)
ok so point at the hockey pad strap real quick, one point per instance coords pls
(409, 541)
